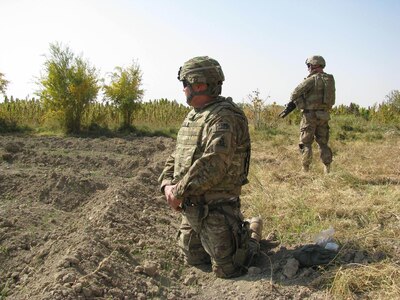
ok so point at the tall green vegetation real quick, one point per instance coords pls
(387, 112)
(69, 84)
(124, 90)
(3, 84)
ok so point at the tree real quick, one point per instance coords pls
(393, 100)
(3, 84)
(257, 108)
(68, 86)
(125, 91)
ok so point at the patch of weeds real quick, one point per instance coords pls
(351, 180)
(173, 131)
(49, 218)
(4, 290)
(265, 132)
(97, 129)
(4, 250)
(356, 280)
(345, 135)
(6, 198)
(354, 127)
(12, 126)
(374, 136)
(136, 251)
(299, 220)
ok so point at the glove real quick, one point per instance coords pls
(288, 109)
(314, 255)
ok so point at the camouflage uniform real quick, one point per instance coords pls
(315, 96)
(209, 166)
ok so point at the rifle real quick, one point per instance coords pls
(288, 109)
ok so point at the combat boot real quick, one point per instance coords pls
(327, 169)
(256, 227)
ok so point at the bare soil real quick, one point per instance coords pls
(82, 218)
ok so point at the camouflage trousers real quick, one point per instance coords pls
(314, 125)
(213, 235)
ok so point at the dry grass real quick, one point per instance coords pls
(360, 199)
(379, 281)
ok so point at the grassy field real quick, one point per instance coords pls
(360, 199)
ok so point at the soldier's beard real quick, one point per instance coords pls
(189, 99)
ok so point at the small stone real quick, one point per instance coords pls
(15, 276)
(72, 260)
(171, 296)
(70, 277)
(189, 280)
(78, 287)
(86, 292)
(150, 269)
(138, 269)
(97, 291)
(174, 273)
(141, 296)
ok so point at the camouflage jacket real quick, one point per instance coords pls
(316, 92)
(212, 153)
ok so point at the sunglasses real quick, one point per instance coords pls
(185, 83)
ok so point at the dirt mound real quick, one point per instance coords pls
(82, 218)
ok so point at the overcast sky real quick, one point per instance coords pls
(260, 44)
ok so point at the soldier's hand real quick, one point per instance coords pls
(172, 201)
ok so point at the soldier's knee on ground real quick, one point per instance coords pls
(191, 248)
(195, 261)
(194, 254)
(227, 271)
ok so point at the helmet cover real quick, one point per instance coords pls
(316, 60)
(201, 69)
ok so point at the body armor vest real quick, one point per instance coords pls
(190, 145)
(322, 96)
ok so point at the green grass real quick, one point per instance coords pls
(4, 290)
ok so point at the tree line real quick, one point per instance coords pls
(69, 86)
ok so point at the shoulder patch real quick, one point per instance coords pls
(223, 126)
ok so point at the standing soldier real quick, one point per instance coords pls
(203, 178)
(315, 96)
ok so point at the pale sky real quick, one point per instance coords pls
(260, 44)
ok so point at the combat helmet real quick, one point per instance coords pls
(316, 60)
(202, 69)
